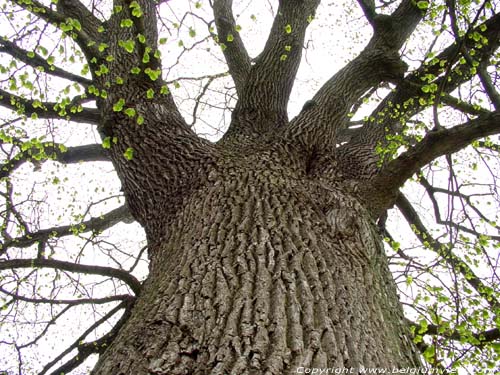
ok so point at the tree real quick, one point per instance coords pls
(266, 247)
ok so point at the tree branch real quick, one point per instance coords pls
(318, 123)
(85, 349)
(35, 60)
(96, 224)
(484, 337)
(72, 302)
(407, 99)
(85, 32)
(76, 10)
(368, 7)
(56, 152)
(129, 279)
(262, 104)
(430, 192)
(436, 143)
(442, 250)
(48, 110)
(236, 55)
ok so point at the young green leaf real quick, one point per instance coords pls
(129, 153)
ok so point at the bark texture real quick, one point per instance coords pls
(263, 257)
(261, 271)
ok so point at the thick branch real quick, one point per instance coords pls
(262, 105)
(76, 10)
(85, 34)
(237, 57)
(135, 23)
(40, 10)
(368, 7)
(57, 153)
(36, 61)
(442, 250)
(48, 110)
(434, 144)
(319, 122)
(129, 279)
(408, 95)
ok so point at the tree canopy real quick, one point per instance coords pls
(407, 91)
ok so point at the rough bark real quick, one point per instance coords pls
(261, 261)
(261, 271)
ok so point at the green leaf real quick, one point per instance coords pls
(118, 106)
(153, 74)
(164, 90)
(140, 120)
(192, 32)
(127, 45)
(288, 29)
(130, 112)
(129, 153)
(76, 24)
(102, 47)
(106, 143)
(230, 37)
(409, 280)
(136, 9)
(150, 93)
(141, 38)
(43, 50)
(127, 22)
(423, 5)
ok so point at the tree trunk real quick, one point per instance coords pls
(264, 270)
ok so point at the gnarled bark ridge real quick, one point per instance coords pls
(261, 271)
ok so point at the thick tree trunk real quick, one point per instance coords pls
(264, 271)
